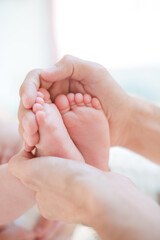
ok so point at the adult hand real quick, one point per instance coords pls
(13, 232)
(71, 74)
(48, 185)
(68, 190)
(49, 230)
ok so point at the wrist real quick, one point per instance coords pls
(142, 131)
(120, 122)
(130, 122)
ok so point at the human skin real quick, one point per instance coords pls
(69, 191)
(13, 232)
(15, 198)
(134, 123)
(130, 131)
(10, 142)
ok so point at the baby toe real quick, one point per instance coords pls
(45, 94)
(40, 100)
(71, 99)
(79, 99)
(62, 103)
(96, 103)
(87, 100)
(39, 94)
(37, 107)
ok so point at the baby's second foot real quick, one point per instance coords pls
(87, 126)
(54, 139)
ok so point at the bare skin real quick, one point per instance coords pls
(85, 121)
(87, 126)
(130, 131)
(13, 203)
(108, 202)
(10, 142)
(54, 141)
(138, 125)
(53, 135)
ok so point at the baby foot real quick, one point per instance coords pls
(87, 126)
(53, 139)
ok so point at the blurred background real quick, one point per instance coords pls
(122, 35)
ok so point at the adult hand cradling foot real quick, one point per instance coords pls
(74, 75)
(74, 191)
(68, 190)
(133, 122)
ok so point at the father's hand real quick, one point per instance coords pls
(71, 74)
(68, 190)
(60, 186)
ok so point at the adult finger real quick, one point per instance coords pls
(42, 172)
(27, 120)
(28, 90)
(21, 113)
(70, 67)
(21, 167)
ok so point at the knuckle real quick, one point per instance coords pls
(100, 67)
(67, 58)
(32, 74)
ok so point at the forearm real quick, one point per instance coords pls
(142, 134)
(133, 226)
(15, 198)
(122, 212)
